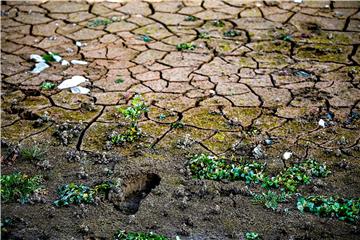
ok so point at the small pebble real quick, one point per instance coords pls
(287, 155)
(322, 123)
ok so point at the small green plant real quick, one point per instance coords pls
(231, 33)
(177, 124)
(100, 22)
(18, 186)
(210, 167)
(77, 194)
(47, 86)
(119, 80)
(133, 114)
(204, 35)
(270, 199)
(49, 57)
(252, 236)
(343, 209)
(74, 194)
(218, 23)
(191, 18)
(123, 235)
(298, 174)
(185, 46)
(32, 154)
(130, 135)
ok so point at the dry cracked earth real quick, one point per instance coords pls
(281, 68)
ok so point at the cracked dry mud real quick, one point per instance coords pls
(289, 65)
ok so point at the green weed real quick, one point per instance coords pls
(298, 174)
(132, 113)
(77, 194)
(18, 186)
(119, 80)
(210, 167)
(214, 168)
(47, 86)
(343, 209)
(270, 199)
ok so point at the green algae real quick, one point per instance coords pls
(323, 53)
(61, 115)
(273, 46)
(204, 118)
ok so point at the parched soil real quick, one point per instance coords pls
(286, 72)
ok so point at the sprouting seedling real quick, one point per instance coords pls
(134, 112)
(47, 85)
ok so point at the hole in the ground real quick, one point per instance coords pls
(135, 191)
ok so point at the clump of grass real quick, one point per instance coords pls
(341, 208)
(132, 113)
(185, 46)
(77, 194)
(47, 86)
(123, 235)
(270, 199)
(19, 187)
(32, 154)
